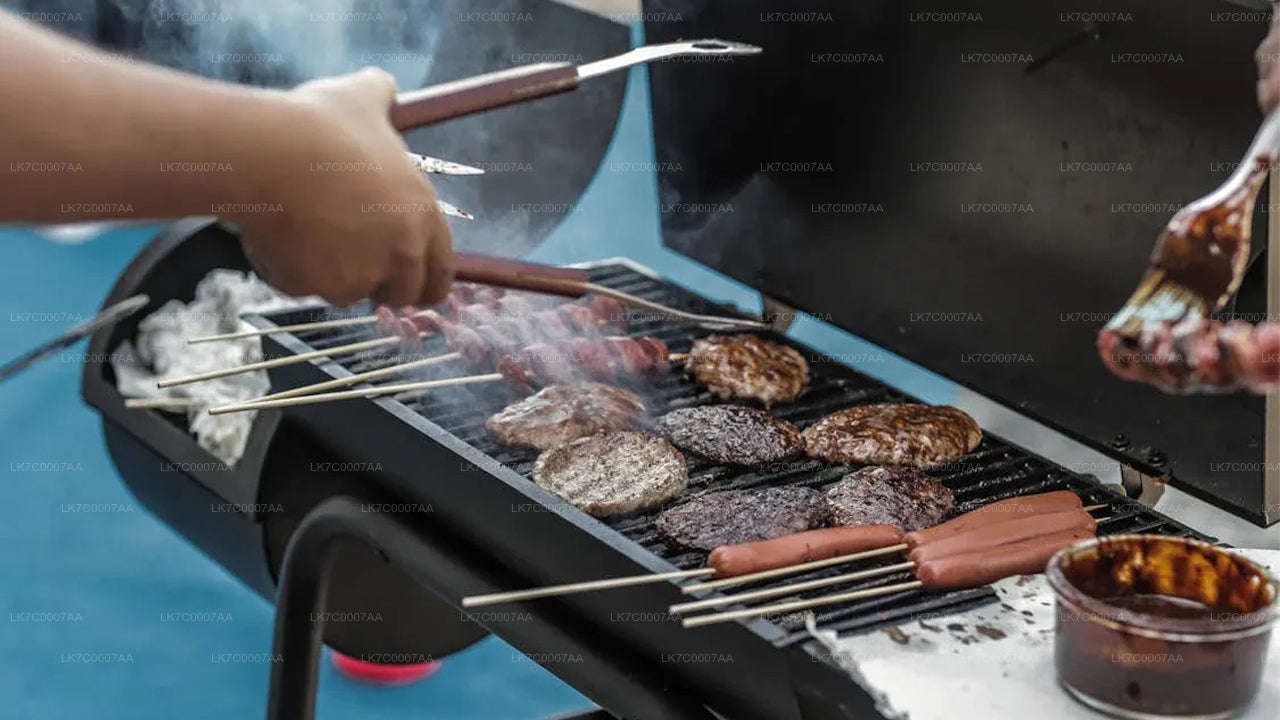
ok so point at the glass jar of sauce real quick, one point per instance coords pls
(1160, 627)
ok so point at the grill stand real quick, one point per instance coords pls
(304, 580)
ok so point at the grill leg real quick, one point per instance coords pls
(304, 578)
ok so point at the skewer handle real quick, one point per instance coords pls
(437, 103)
(521, 275)
(793, 606)
(571, 588)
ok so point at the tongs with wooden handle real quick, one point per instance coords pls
(574, 282)
(430, 105)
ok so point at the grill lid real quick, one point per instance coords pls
(984, 219)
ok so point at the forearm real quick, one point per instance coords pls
(85, 134)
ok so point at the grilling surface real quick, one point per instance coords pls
(994, 470)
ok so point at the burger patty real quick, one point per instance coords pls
(892, 434)
(748, 366)
(561, 413)
(731, 434)
(741, 516)
(613, 472)
(901, 496)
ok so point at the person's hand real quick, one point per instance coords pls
(337, 209)
(1268, 59)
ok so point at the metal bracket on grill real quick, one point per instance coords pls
(778, 315)
(1146, 489)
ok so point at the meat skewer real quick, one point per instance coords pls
(741, 564)
(1000, 534)
(466, 292)
(803, 552)
(410, 330)
(971, 569)
(535, 365)
(281, 361)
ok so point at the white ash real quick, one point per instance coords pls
(160, 351)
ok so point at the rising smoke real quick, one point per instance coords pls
(277, 42)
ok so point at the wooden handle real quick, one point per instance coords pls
(446, 101)
(521, 275)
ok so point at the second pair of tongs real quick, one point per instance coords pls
(446, 101)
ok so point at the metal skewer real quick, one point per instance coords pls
(342, 382)
(701, 620)
(571, 588)
(352, 394)
(287, 360)
(300, 327)
(682, 608)
(436, 166)
(792, 569)
(155, 403)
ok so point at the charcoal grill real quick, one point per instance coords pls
(409, 505)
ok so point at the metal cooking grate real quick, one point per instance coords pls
(994, 471)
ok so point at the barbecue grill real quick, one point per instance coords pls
(396, 509)
(423, 508)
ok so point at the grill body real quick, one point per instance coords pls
(430, 463)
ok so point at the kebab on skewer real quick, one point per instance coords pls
(547, 363)
(817, 549)
(514, 313)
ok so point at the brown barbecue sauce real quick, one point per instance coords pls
(1160, 627)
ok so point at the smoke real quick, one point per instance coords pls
(281, 42)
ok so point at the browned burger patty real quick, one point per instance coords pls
(892, 434)
(741, 516)
(614, 472)
(748, 366)
(901, 496)
(561, 413)
(731, 434)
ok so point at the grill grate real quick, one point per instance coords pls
(994, 471)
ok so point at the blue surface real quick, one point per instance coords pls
(84, 595)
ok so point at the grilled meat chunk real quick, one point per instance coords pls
(731, 434)
(741, 516)
(748, 366)
(561, 413)
(893, 434)
(613, 472)
(901, 496)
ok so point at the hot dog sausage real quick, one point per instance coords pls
(733, 560)
(1011, 508)
(975, 569)
(1003, 533)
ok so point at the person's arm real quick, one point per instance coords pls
(1268, 58)
(316, 178)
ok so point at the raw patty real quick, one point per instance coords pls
(561, 413)
(748, 366)
(731, 434)
(892, 434)
(901, 496)
(614, 472)
(741, 516)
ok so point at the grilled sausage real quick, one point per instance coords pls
(1007, 532)
(996, 512)
(734, 560)
(974, 569)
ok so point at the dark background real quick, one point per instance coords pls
(1032, 281)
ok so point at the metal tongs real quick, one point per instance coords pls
(418, 108)
(446, 101)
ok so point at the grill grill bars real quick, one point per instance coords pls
(994, 471)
